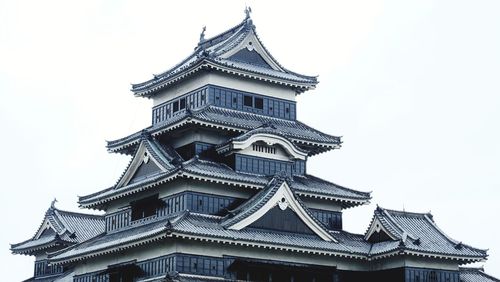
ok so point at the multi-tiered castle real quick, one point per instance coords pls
(218, 189)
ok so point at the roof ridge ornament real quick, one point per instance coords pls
(202, 34)
(248, 19)
(248, 10)
(53, 203)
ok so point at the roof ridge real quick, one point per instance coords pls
(81, 214)
(230, 31)
(63, 221)
(404, 212)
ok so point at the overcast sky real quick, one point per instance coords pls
(413, 88)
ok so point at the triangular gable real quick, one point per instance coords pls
(251, 50)
(148, 160)
(250, 56)
(384, 228)
(378, 233)
(50, 222)
(276, 194)
(45, 229)
(281, 220)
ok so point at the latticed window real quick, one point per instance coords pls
(433, 276)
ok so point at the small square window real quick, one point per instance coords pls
(235, 100)
(183, 103)
(175, 106)
(247, 101)
(259, 103)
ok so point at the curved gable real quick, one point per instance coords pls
(248, 139)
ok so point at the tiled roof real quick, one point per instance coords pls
(105, 241)
(211, 228)
(191, 224)
(417, 232)
(210, 54)
(69, 228)
(474, 274)
(306, 185)
(214, 116)
(347, 243)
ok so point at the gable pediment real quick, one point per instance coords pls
(46, 229)
(250, 50)
(144, 170)
(377, 232)
(250, 57)
(276, 208)
(144, 164)
(281, 220)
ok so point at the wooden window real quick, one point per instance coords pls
(259, 103)
(145, 207)
(175, 106)
(247, 101)
(182, 103)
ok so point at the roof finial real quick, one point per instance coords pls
(248, 10)
(53, 204)
(202, 34)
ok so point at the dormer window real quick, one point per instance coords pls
(145, 207)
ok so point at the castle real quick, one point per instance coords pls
(217, 189)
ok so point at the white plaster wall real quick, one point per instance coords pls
(149, 251)
(185, 246)
(203, 78)
(321, 204)
(170, 246)
(218, 250)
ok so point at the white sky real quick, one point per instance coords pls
(413, 86)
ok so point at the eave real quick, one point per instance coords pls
(100, 204)
(404, 252)
(208, 64)
(126, 145)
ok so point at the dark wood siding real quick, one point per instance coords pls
(331, 219)
(193, 201)
(42, 268)
(225, 98)
(265, 166)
